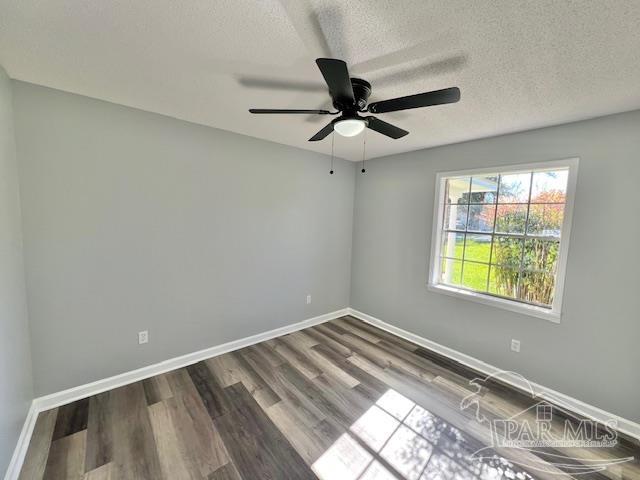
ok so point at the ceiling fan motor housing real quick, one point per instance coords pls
(361, 93)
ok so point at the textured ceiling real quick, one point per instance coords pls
(519, 64)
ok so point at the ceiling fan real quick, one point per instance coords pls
(350, 96)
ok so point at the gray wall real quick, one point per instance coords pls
(136, 221)
(16, 390)
(593, 353)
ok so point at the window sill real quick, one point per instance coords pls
(525, 309)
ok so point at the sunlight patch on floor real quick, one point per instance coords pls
(396, 439)
(345, 459)
(383, 428)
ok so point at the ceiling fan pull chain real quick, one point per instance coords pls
(364, 149)
(332, 139)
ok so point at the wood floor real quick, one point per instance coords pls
(342, 400)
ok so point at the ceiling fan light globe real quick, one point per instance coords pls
(350, 127)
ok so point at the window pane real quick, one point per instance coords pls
(481, 218)
(546, 220)
(457, 190)
(507, 251)
(474, 276)
(451, 271)
(549, 187)
(541, 255)
(452, 245)
(483, 188)
(537, 287)
(478, 248)
(511, 218)
(503, 281)
(514, 188)
(455, 217)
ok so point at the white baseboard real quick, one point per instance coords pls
(15, 465)
(624, 425)
(63, 397)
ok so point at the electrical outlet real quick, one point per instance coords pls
(308, 299)
(143, 337)
(515, 345)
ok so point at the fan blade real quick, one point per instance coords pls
(322, 133)
(276, 110)
(437, 97)
(268, 83)
(385, 128)
(336, 75)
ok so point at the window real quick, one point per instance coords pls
(501, 235)
(544, 412)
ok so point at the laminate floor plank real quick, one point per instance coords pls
(301, 338)
(66, 457)
(172, 458)
(377, 354)
(99, 432)
(451, 388)
(364, 379)
(350, 401)
(135, 453)
(422, 363)
(343, 399)
(323, 364)
(226, 368)
(331, 367)
(310, 443)
(412, 388)
(447, 364)
(258, 388)
(332, 339)
(210, 390)
(381, 334)
(256, 446)
(308, 412)
(323, 339)
(157, 389)
(295, 358)
(71, 419)
(38, 452)
(355, 330)
(200, 441)
(272, 358)
(228, 472)
(105, 472)
(180, 382)
(316, 395)
(354, 348)
(393, 358)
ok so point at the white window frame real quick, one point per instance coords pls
(552, 314)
